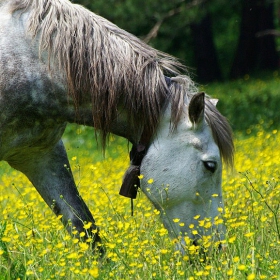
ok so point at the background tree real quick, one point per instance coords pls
(256, 50)
(205, 56)
(215, 38)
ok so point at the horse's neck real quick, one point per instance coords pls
(120, 126)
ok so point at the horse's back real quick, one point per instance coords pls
(31, 97)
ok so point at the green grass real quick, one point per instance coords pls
(34, 244)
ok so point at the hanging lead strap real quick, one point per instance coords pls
(131, 181)
(131, 206)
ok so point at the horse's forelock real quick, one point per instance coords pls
(222, 132)
(183, 89)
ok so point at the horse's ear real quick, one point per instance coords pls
(214, 101)
(196, 108)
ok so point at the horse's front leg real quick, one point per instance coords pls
(50, 173)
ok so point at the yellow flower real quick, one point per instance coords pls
(84, 246)
(242, 267)
(163, 251)
(88, 225)
(249, 234)
(230, 272)
(219, 221)
(73, 255)
(150, 181)
(29, 272)
(194, 232)
(93, 272)
(263, 218)
(236, 259)
(199, 273)
(232, 239)
(251, 276)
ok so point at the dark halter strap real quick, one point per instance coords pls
(131, 181)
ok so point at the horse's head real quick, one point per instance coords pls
(186, 169)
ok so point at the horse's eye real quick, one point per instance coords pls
(210, 165)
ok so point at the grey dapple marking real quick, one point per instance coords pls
(59, 64)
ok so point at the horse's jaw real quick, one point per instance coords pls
(191, 222)
(187, 226)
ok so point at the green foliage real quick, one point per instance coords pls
(249, 101)
(11, 268)
(226, 23)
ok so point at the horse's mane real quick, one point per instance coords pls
(115, 67)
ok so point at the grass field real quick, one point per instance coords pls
(34, 244)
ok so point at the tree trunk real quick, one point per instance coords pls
(207, 65)
(253, 52)
(268, 57)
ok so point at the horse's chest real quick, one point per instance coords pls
(17, 143)
(28, 120)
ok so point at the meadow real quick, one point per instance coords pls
(34, 244)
